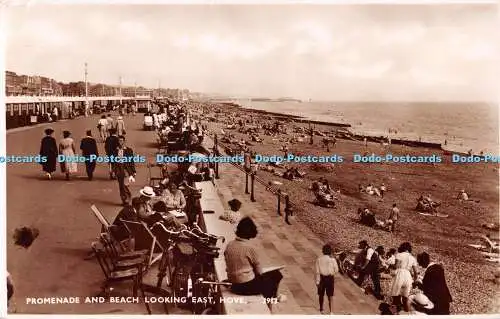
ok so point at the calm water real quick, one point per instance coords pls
(464, 125)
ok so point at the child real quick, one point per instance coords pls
(326, 268)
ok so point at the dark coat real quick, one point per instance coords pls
(111, 144)
(123, 169)
(88, 145)
(48, 149)
(120, 231)
(435, 288)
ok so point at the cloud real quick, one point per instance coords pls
(279, 49)
(371, 71)
(134, 31)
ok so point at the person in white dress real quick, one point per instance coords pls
(406, 272)
(67, 148)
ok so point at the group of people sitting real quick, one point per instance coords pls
(426, 204)
(293, 173)
(325, 195)
(372, 190)
(368, 218)
(411, 292)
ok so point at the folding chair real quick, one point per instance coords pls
(156, 291)
(123, 260)
(154, 180)
(114, 275)
(491, 246)
(145, 238)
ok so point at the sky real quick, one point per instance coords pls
(321, 52)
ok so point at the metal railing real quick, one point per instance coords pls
(252, 175)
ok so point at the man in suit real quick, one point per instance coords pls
(123, 168)
(110, 145)
(434, 285)
(88, 145)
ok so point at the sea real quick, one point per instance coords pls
(464, 126)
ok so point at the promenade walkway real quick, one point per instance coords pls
(296, 247)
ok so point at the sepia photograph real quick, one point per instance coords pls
(251, 159)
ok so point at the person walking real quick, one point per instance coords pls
(110, 122)
(120, 126)
(370, 266)
(67, 149)
(393, 217)
(326, 268)
(434, 285)
(110, 146)
(55, 114)
(406, 272)
(123, 167)
(88, 145)
(102, 126)
(48, 150)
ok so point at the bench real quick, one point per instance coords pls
(210, 201)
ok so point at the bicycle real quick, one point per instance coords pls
(196, 261)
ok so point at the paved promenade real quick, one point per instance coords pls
(54, 265)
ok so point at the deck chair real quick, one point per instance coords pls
(154, 180)
(145, 238)
(114, 275)
(106, 226)
(121, 260)
(491, 246)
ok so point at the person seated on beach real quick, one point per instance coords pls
(431, 202)
(367, 217)
(369, 189)
(289, 174)
(244, 266)
(463, 196)
(422, 205)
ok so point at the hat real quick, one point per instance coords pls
(147, 191)
(421, 300)
(49, 130)
(25, 236)
(234, 204)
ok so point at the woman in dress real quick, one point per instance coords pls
(406, 272)
(67, 148)
(48, 150)
(244, 266)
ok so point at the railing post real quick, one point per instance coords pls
(279, 202)
(288, 210)
(252, 179)
(216, 152)
(246, 181)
